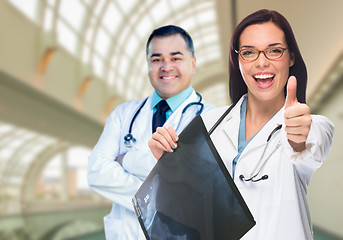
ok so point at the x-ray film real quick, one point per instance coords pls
(190, 195)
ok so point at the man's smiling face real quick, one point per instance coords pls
(171, 65)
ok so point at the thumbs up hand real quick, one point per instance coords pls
(297, 118)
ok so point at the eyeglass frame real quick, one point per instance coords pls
(259, 52)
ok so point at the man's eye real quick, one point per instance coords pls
(155, 60)
(176, 59)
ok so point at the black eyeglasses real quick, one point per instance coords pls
(251, 54)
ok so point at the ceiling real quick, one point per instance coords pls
(108, 37)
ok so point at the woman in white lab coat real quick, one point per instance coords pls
(269, 141)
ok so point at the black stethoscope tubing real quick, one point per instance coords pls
(129, 140)
(264, 177)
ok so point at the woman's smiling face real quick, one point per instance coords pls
(265, 78)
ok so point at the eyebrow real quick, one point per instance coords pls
(171, 54)
(274, 44)
(176, 53)
(270, 45)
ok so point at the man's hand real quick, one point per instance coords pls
(164, 139)
(297, 118)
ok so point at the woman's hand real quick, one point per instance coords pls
(297, 118)
(164, 139)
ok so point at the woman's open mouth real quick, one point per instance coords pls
(264, 80)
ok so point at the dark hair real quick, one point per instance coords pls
(170, 30)
(237, 85)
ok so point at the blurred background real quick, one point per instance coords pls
(66, 64)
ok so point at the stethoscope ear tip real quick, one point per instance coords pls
(264, 177)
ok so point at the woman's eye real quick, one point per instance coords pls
(247, 52)
(275, 50)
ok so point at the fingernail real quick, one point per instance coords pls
(174, 145)
(171, 150)
(176, 138)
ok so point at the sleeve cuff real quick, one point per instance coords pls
(139, 162)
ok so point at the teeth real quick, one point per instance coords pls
(169, 77)
(264, 76)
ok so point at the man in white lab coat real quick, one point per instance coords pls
(121, 159)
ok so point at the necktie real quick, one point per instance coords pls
(159, 117)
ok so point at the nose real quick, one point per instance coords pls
(166, 66)
(262, 61)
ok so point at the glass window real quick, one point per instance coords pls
(102, 43)
(111, 77)
(124, 65)
(158, 12)
(98, 66)
(112, 18)
(73, 13)
(98, 8)
(177, 4)
(144, 27)
(27, 7)
(66, 37)
(126, 5)
(132, 46)
(48, 20)
(89, 34)
(51, 3)
(113, 33)
(86, 54)
(189, 24)
(208, 16)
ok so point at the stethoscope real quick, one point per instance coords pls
(252, 176)
(129, 140)
(264, 177)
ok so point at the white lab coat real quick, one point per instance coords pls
(278, 204)
(119, 183)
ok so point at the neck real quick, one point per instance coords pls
(258, 109)
(258, 113)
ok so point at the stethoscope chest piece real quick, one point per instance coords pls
(129, 140)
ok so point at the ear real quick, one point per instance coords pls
(194, 63)
(292, 60)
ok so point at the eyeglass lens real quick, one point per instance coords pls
(253, 54)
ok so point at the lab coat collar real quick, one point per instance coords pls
(175, 101)
(145, 116)
(143, 124)
(146, 113)
(232, 121)
(174, 119)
